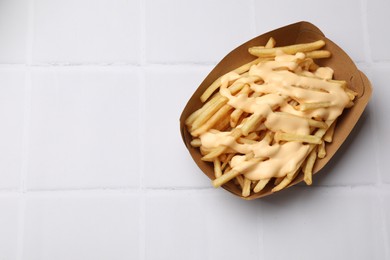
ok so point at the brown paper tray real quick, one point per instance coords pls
(301, 32)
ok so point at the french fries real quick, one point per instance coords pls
(268, 121)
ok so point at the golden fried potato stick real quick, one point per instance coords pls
(217, 168)
(351, 94)
(312, 157)
(278, 180)
(291, 49)
(253, 136)
(328, 137)
(224, 123)
(251, 124)
(231, 174)
(308, 167)
(225, 178)
(240, 181)
(270, 43)
(286, 180)
(235, 117)
(311, 139)
(246, 190)
(213, 105)
(321, 153)
(219, 115)
(192, 117)
(311, 122)
(196, 142)
(261, 185)
(311, 106)
(319, 54)
(244, 140)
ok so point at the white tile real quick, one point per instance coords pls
(84, 129)
(13, 31)
(81, 227)
(341, 21)
(167, 161)
(12, 108)
(353, 163)
(9, 226)
(322, 224)
(200, 225)
(378, 18)
(89, 31)
(195, 31)
(381, 94)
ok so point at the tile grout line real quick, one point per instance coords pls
(144, 65)
(141, 128)
(141, 188)
(148, 190)
(26, 132)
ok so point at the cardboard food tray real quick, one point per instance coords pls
(301, 32)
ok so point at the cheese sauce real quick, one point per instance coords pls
(278, 85)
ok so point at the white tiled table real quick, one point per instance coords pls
(92, 165)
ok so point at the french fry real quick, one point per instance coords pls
(246, 190)
(308, 169)
(321, 153)
(224, 178)
(328, 137)
(233, 173)
(291, 49)
(196, 142)
(251, 124)
(261, 185)
(270, 43)
(224, 123)
(211, 107)
(311, 122)
(286, 181)
(209, 111)
(221, 113)
(319, 54)
(289, 137)
(352, 94)
(217, 168)
(278, 180)
(240, 181)
(311, 106)
(235, 117)
(244, 140)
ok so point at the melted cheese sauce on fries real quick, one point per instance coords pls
(277, 88)
(287, 103)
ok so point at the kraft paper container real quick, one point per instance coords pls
(301, 32)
